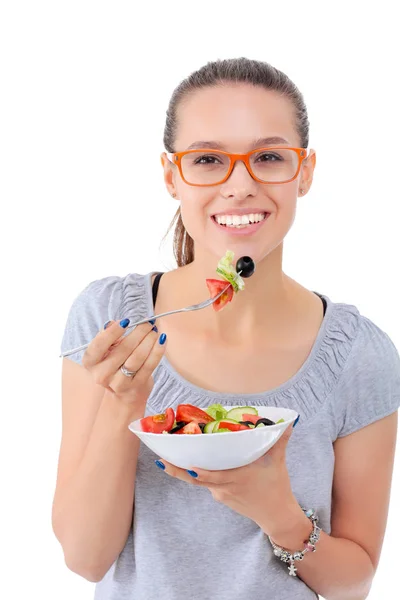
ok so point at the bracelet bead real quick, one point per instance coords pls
(309, 545)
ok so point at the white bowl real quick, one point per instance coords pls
(218, 451)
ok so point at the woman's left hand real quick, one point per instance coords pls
(260, 491)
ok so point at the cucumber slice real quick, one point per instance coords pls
(216, 411)
(223, 430)
(210, 426)
(280, 421)
(237, 413)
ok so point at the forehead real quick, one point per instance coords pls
(235, 114)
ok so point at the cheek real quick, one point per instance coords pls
(285, 200)
(194, 210)
(285, 196)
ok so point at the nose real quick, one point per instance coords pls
(240, 183)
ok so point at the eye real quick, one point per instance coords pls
(207, 159)
(269, 157)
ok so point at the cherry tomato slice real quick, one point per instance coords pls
(192, 427)
(252, 418)
(188, 413)
(158, 423)
(233, 426)
(215, 286)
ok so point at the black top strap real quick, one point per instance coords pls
(323, 301)
(156, 283)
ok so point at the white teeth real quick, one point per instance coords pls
(239, 220)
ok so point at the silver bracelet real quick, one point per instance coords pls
(309, 545)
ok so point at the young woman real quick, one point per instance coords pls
(144, 532)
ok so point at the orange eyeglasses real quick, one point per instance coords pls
(204, 167)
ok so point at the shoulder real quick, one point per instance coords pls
(368, 386)
(372, 349)
(110, 298)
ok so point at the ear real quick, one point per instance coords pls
(168, 173)
(307, 171)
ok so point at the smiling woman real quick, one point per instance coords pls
(233, 533)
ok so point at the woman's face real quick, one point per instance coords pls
(235, 117)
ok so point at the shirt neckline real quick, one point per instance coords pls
(199, 391)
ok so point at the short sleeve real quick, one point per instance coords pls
(98, 303)
(369, 386)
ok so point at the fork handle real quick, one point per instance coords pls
(146, 320)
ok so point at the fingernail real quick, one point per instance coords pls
(107, 324)
(296, 421)
(152, 321)
(160, 464)
(162, 339)
(155, 329)
(193, 473)
(124, 323)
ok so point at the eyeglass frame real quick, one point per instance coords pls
(176, 159)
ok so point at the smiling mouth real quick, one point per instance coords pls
(240, 221)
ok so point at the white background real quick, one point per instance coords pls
(84, 90)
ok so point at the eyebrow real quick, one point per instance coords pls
(261, 142)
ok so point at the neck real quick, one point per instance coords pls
(260, 309)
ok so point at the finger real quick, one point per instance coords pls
(276, 454)
(126, 345)
(152, 361)
(134, 362)
(202, 476)
(106, 365)
(178, 473)
(218, 478)
(103, 341)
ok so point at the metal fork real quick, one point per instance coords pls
(154, 317)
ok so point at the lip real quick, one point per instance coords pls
(240, 211)
(249, 230)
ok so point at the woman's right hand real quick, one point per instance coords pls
(139, 351)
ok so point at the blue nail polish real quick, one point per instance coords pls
(193, 473)
(162, 339)
(155, 329)
(124, 323)
(152, 321)
(296, 421)
(160, 464)
(106, 324)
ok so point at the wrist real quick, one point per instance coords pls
(120, 412)
(286, 519)
(295, 533)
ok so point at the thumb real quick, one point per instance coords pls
(279, 448)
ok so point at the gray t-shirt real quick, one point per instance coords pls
(185, 545)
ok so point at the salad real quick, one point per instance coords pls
(214, 419)
(245, 266)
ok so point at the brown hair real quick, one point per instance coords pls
(215, 73)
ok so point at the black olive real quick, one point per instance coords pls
(265, 421)
(179, 425)
(246, 423)
(202, 425)
(246, 265)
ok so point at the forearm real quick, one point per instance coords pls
(339, 569)
(93, 512)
